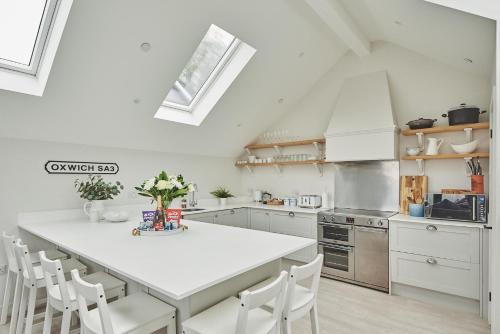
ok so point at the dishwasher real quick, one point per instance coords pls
(371, 253)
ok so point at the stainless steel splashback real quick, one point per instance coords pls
(370, 185)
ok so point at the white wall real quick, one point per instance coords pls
(25, 186)
(420, 87)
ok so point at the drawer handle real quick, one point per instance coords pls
(431, 228)
(291, 214)
(431, 260)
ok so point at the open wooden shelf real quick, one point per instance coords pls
(448, 156)
(441, 129)
(285, 144)
(288, 163)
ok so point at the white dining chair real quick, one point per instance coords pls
(300, 299)
(33, 279)
(14, 281)
(243, 315)
(138, 313)
(61, 294)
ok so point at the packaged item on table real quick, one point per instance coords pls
(159, 218)
(148, 216)
(173, 219)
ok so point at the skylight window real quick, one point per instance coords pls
(24, 28)
(214, 66)
(208, 59)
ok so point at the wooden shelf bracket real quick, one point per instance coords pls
(319, 168)
(420, 140)
(249, 168)
(468, 171)
(278, 168)
(468, 135)
(420, 166)
(277, 149)
(317, 147)
(249, 152)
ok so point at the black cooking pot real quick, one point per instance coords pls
(421, 123)
(463, 115)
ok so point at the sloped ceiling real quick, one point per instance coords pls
(441, 33)
(100, 70)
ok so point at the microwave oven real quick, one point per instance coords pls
(463, 207)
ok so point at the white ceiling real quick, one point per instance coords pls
(438, 32)
(100, 69)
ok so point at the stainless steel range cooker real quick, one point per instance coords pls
(355, 245)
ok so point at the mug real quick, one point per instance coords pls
(416, 210)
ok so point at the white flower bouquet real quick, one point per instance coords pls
(168, 187)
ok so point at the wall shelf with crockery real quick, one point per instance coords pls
(316, 163)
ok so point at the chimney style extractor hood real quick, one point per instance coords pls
(363, 126)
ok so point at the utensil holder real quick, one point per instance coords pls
(477, 184)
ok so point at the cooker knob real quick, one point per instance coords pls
(323, 219)
(332, 219)
(380, 223)
(370, 222)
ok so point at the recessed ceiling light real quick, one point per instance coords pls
(145, 47)
(281, 100)
(137, 101)
(238, 125)
(301, 54)
(399, 23)
(468, 60)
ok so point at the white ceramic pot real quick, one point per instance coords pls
(222, 201)
(465, 148)
(94, 210)
(433, 145)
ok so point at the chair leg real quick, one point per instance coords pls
(31, 310)
(22, 310)
(172, 326)
(6, 298)
(66, 322)
(15, 305)
(47, 322)
(314, 320)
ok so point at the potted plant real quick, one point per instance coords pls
(222, 194)
(165, 186)
(95, 190)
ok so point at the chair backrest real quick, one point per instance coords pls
(88, 294)
(255, 299)
(297, 274)
(8, 244)
(24, 261)
(53, 269)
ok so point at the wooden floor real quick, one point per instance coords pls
(349, 309)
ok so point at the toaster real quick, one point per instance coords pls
(310, 201)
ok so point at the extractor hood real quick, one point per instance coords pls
(363, 126)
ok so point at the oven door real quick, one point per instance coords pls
(338, 260)
(339, 234)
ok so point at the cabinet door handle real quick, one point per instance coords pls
(232, 211)
(431, 228)
(267, 213)
(291, 214)
(431, 260)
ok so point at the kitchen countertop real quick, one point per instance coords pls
(422, 220)
(179, 265)
(254, 205)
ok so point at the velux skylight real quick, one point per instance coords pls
(214, 65)
(24, 27)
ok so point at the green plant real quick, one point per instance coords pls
(168, 187)
(95, 188)
(222, 192)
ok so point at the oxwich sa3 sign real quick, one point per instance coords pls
(77, 167)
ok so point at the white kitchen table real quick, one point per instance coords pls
(191, 270)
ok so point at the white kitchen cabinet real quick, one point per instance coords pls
(300, 225)
(444, 241)
(437, 257)
(260, 220)
(233, 217)
(202, 217)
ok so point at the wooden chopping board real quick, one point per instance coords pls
(411, 186)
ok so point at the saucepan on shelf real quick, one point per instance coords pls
(463, 114)
(421, 123)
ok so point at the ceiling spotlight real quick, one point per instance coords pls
(137, 101)
(145, 47)
(399, 23)
(468, 60)
(301, 54)
(238, 125)
(281, 100)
